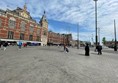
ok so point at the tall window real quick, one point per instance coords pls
(38, 38)
(21, 36)
(12, 22)
(38, 31)
(31, 28)
(22, 26)
(0, 22)
(10, 34)
(30, 37)
(44, 33)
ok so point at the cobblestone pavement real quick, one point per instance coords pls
(52, 65)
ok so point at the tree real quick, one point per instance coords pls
(104, 40)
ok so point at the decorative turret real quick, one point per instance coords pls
(44, 25)
(43, 20)
(44, 17)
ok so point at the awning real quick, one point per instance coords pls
(20, 40)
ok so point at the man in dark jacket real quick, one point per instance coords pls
(99, 49)
(87, 50)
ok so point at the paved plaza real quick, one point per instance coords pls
(52, 65)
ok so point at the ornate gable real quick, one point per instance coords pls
(24, 12)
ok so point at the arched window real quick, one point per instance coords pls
(22, 26)
(10, 34)
(30, 37)
(12, 22)
(21, 36)
(38, 38)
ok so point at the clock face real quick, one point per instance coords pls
(24, 14)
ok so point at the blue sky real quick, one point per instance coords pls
(65, 16)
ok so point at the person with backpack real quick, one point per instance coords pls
(19, 44)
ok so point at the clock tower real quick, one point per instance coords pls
(44, 25)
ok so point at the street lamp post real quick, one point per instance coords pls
(78, 37)
(115, 46)
(92, 40)
(99, 34)
(96, 37)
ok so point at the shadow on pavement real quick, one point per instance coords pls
(82, 54)
(61, 51)
(94, 53)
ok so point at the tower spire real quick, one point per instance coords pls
(44, 16)
(43, 19)
(25, 7)
(44, 12)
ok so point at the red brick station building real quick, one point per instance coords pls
(17, 25)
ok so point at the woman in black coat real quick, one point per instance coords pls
(87, 50)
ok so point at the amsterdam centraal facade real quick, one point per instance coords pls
(17, 25)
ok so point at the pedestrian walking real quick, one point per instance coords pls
(87, 50)
(5, 45)
(64, 47)
(99, 49)
(67, 50)
(19, 44)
